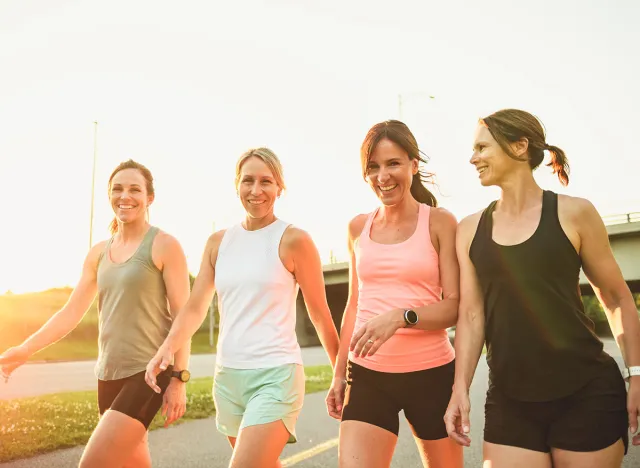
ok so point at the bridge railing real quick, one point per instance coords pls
(623, 218)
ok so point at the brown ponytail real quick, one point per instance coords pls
(559, 164)
(399, 133)
(113, 226)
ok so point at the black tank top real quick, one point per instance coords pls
(540, 344)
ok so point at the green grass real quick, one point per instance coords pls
(31, 426)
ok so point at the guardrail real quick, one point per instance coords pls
(624, 218)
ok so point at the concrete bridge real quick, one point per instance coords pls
(624, 237)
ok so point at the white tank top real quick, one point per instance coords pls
(257, 300)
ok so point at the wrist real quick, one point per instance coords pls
(398, 318)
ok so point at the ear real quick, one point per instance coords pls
(415, 165)
(150, 199)
(520, 147)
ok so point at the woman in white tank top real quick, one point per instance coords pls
(256, 267)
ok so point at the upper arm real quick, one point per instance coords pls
(174, 271)
(356, 225)
(471, 300)
(598, 262)
(204, 284)
(307, 266)
(85, 291)
(445, 225)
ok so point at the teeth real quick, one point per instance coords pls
(125, 207)
(388, 187)
(255, 202)
(482, 169)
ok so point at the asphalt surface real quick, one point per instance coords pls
(198, 444)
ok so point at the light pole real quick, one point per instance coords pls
(93, 180)
(402, 97)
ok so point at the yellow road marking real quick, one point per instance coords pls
(312, 452)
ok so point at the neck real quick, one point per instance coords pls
(132, 231)
(519, 193)
(397, 213)
(253, 224)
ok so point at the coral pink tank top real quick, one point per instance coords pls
(400, 276)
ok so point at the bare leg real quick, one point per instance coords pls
(506, 456)
(610, 457)
(141, 458)
(259, 446)
(115, 440)
(441, 453)
(363, 444)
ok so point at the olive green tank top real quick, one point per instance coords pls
(133, 311)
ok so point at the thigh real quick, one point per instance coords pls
(609, 457)
(137, 400)
(516, 424)
(441, 453)
(506, 456)
(259, 446)
(425, 397)
(368, 400)
(114, 441)
(363, 444)
(277, 395)
(595, 417)
(141, 457)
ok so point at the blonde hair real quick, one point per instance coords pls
(266, 156)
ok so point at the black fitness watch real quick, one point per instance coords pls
(182, 376)
(410, 318)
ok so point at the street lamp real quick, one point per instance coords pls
(403, 97)
(93, 180)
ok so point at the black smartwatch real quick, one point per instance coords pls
(410, 318)
(182, 376)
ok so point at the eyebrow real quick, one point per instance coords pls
(132, 185)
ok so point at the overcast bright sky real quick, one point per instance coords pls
(186, 87)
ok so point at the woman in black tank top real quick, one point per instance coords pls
(555, 397)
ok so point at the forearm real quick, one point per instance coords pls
(624, 323)
(56, 328)
(468, 343)
(437, 316)
(184, 327)
(327, 333)
(181, 357)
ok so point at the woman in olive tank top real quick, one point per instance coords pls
(141, 277)
(555, 397)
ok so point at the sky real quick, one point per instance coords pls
(186, 87)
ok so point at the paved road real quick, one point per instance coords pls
(197, 444)
(41, 379)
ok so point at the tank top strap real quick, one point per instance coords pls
(144, 251)
(366, 230)
(422, 228)
(485, 226)
(105, 250)
(549, 216)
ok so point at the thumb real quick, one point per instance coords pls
(464, 419)
(166, 360)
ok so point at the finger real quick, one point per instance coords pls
(633, 418)
(361, 345)
(636, 440)
(165, 363)
(356, 337)
(464, 420)
(375, 346)
(339, 399)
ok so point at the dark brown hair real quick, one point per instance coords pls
(511, 125)
(399, 133)
(146, 173)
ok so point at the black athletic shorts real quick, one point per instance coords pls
(378, 397)
(590, 419)
(132, 396)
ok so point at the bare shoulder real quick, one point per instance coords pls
(295, 237)
(468, 226)
(575, 208)
(356, 225)
(95, 252)
(167, 242)
(442, 218)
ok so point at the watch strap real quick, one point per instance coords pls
(630, 372)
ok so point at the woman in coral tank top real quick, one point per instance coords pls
(403, 295)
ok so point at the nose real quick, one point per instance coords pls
(474, 158)
(255, 188)
(383, 175)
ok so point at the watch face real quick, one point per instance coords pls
(185, 375)
(412, 317)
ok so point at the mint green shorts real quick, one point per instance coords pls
(248, 397)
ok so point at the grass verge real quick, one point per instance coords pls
(31, 426)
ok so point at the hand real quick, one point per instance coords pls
(335, 397)
(174, 401)
(633, 407)
(159, 363)
(456, 418)
(11, 359)
(373, 334)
